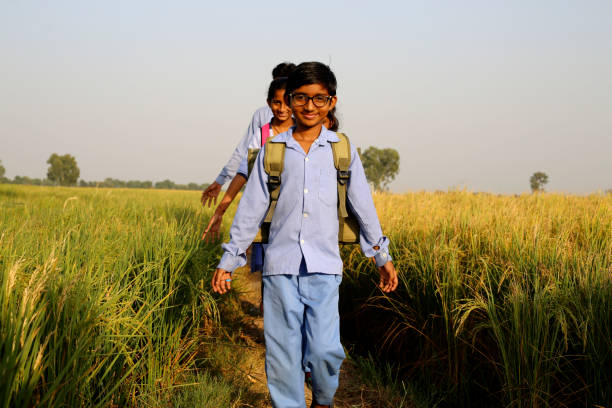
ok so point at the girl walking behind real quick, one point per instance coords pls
(281, 121)
(260, 117)
(303, 269)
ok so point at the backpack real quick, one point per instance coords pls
(348, 227)
(252, 153)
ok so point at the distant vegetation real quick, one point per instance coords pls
(380, 166)
(165, 184)
(64, 171)
(537, 181)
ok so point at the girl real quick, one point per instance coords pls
(260, 117)
(278, 124)
(281, 121)
(303, 268)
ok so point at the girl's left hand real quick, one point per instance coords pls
(221, 281)
(388, 277)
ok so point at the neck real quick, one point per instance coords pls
(307, 133)
(282, 125)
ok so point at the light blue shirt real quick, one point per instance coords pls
(261, 116)
(253, 142)
(305, 222)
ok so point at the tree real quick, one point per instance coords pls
(166, 184)
(63, 170)
(381, 166)
(2, 170)
(537, 181)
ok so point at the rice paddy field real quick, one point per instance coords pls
(504, 301)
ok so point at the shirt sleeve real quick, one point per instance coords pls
(253, 142)
(249, 216)
(360, 201)
(244, 168)
(240, 152)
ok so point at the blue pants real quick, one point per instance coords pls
(302, 329)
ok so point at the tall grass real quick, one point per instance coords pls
(503, 301)
(103, 294)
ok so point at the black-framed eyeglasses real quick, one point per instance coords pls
(301, 99)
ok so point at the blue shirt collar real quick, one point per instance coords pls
(325, 136)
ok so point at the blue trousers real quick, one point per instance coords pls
(302, 329)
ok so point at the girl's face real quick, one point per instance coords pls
(310, 104)
(280, 109)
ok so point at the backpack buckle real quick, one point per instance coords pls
(273, 182)
(343, 176)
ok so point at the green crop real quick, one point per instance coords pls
(502, 301)
(104, 294)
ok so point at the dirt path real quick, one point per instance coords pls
(351, 394)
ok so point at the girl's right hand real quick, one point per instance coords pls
(388, 277)
(210, 194)
(221, 281)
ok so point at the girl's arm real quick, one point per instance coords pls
(249, 216)
(215, 221)
(373, 242)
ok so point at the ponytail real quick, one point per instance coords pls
(334, 123)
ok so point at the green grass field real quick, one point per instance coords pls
(503, 301)
(104, 295)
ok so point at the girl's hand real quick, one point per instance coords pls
(212, 229)
(210, 194)
(388, 277)
(222, 281)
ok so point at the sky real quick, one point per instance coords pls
(476, 95)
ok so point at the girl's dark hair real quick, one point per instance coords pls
(312, 73)
(275, 85)
(284, 69)
(334, 123)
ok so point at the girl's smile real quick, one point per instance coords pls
(279, 108)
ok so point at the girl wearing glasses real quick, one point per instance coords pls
(280, 122)
(303, 269)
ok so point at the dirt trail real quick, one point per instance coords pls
(350, 393)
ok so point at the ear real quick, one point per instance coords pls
(333, 101)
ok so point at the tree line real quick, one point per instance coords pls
(380, 166)
(64, 171)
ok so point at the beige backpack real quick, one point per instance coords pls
(348, 231)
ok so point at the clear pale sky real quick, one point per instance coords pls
(475, 94)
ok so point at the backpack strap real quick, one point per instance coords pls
(265, 133)
(274, 161)
(342, 161)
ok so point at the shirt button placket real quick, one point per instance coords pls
(306, 200)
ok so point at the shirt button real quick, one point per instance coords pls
(301, 241)
(305, 191)
(306, 159)
(305, 215)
